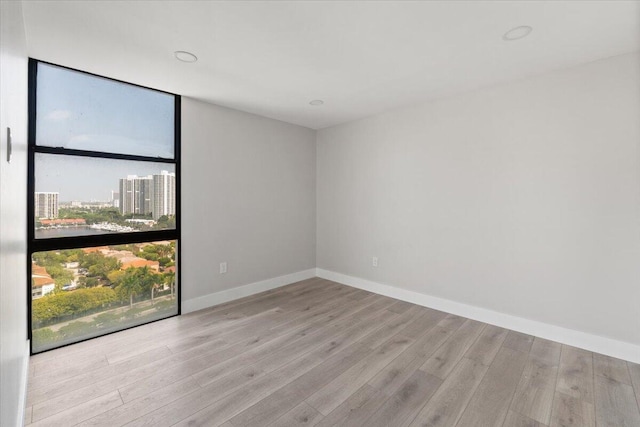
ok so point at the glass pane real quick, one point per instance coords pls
(85, 112)
(77, 196)
(82, 293)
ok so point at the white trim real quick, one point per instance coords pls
(22, 397)
(610, 347)
(216, 298)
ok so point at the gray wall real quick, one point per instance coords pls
(248, 197)
(521, 198)
(13, 216)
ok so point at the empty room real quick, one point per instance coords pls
(320, 213)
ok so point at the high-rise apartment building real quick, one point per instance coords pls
(164, 194)
(152, 194)
(135, 194)
(46, 204)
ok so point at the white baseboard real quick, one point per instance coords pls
(595, 343)
(216, 298)
(24, 381)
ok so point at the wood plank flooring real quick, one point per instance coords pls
(317, 353)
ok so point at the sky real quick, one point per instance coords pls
(80, 111)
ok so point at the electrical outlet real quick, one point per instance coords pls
(223, 267)
(374, 261)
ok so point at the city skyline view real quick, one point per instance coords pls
(155, 194)
(88, 179)
(141, 203)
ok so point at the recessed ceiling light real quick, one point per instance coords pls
(183, 56)
(317, 102)
(517, 33)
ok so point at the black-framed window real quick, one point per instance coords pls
(104, 205)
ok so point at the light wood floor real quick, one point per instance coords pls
(319, 353)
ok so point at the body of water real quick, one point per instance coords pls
(69, 232)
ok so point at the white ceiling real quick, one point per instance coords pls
(361, 58)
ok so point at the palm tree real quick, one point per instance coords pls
(147, 278)
(129, 284)
(164, 251)
(170, 279)
(135, 281)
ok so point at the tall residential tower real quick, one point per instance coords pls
(164, 194)
(46, 205)
(135, 194)
(151, 194)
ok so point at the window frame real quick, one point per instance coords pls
(77, 242)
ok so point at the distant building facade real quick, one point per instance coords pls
(46, 205)
(135, 194)
(164, 194)
(152, 194)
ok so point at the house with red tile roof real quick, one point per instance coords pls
(63, 221)
(41, 282)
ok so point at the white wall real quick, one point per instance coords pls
(248, 197)
(13, 216)
(523, 198)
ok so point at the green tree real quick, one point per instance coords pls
(72, 255)
(88, 282)
(99, 266)
(49, 258)
(136, 281)
(151, 256)
(59, 306)
(169, 279)
(155, 252)
(162, 253)
(116, 276)
(93, 215)
(53, 262)
(149, 279)
(128, 285)
(166, 251)
(166, 221)
(62, 278)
